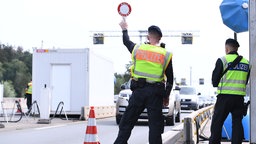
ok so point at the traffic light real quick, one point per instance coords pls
(186, 38)
(98, 38)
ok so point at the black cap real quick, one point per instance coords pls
(232, 42)
(156, 29)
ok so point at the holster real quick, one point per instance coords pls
(137, 84)
(141, 82)
(246, 105)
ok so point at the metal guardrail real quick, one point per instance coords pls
(195, 123)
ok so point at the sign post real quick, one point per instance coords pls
(124, 9)
(252, 46)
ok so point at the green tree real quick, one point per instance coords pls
(1, 72)
(119, 81)
(16, 67)
(20, 77)
(25, 57)
(9, 53)
(8, 89)
(122, 78)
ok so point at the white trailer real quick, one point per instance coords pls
(1, 92)
(77, 77)
(1, 96)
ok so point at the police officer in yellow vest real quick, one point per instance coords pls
(151, 64)
(231, 88)
(28, 95)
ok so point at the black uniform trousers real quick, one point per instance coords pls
(226, 104)
(150, 97)
(29, 100)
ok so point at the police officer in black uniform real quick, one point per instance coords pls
(231, 92)
(146, 95)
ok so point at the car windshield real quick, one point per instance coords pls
(124, 95)
(187, 90)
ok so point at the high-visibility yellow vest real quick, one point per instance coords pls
(29, 90)
(150, 62)
(235, 79)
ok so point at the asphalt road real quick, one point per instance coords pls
(71, 133)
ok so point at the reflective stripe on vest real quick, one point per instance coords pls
(150, 62)
(234, 81)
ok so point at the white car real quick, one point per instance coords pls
(115, 98)
(171, 113)
(204, 101)
(189, 98)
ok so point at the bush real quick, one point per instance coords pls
(9, 89)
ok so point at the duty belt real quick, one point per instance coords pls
(145, 82)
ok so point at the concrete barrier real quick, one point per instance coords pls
(9, 102)
(173, 136)
(100, 111)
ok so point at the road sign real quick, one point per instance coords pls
(234, 14)
(98, 38)
(124, 9)
(187, 38)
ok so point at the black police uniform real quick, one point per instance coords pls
(145, 95)
(225, 104)
(28, 96)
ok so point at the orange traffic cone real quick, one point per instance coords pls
(91, 136)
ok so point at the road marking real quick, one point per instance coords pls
(41, 128)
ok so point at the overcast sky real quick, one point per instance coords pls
(71, 23)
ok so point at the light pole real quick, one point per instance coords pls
(252, 59)
(190, 75)
(142, 34)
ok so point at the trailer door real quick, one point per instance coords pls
(61, 85)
